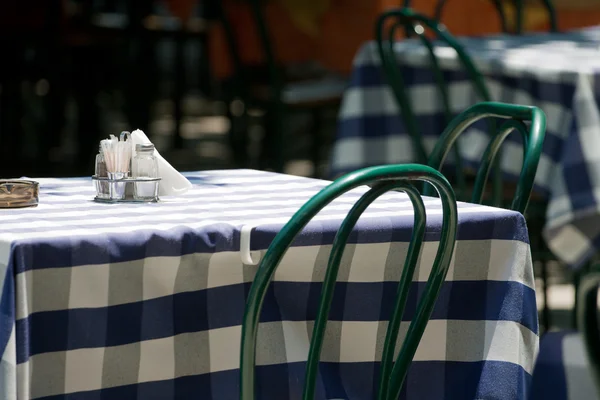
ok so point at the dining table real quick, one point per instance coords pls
(557, 72)
(145, 300)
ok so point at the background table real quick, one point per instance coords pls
(562, 370)
(556, 72)
(145, 301)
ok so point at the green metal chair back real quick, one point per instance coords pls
(519, 14)
(516, 116)
(587, 319)
(381, 180)
(441, 4)
(385, 33)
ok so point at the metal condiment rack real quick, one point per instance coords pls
(126, 185)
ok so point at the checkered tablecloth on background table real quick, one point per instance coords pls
(146, 300)
(556, 72)
(562, 369)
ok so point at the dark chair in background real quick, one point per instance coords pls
(30, 52)
(588, 325)
(568, 362)
(519, 6)
(62, 58)
(144, 29)
(274, 91)
(52, 47)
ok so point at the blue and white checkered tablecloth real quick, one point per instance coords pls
(562, 369)
(146, 301)
(556, 72)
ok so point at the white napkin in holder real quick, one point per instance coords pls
(172, 183)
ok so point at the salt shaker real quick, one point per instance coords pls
(101, 172)
(144, 165)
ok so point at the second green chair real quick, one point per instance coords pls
(529, 121)
(516, 116)
(386, 29)
(469, 184)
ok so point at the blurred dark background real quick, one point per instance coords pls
(73, 72)
(213, 83)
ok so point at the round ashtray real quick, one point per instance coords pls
(18, 193)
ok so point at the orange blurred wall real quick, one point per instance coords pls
(349, 23)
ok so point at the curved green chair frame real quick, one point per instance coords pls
(587, 319)
(516, 116)
(519, 10)
(499, 6)
(385, 33)
(381, 180)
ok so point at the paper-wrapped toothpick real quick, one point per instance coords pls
(172, 182)
(117, 157)
(117, 154)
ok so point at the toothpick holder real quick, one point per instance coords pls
(116, 185)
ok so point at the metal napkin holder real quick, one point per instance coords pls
(121, 189)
